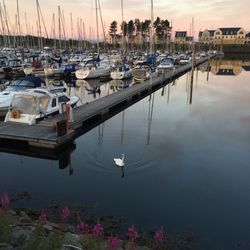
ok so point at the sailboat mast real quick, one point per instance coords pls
(123, 47)
(71, 25)
(152, 28)
(97, 31)
(59, 27)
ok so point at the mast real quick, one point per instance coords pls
(27, 31)
(2, 23)
(84, 36)
(6, 21)
(39, 26)
(123, 47)
(97, 31)
(18, 23)
(152, 28)
(59, 28)
(71, 25)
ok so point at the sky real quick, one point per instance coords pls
(209, 14)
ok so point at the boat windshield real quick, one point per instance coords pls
(21, 85)
(27, 104)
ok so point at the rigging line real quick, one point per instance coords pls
(43, 21)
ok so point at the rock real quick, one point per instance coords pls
(12, 212)
(23, 214)
(48, 227)
(24, 220)
(142, 248)
(72, 239)
(20, 235)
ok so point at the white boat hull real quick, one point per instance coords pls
(119, 75)
(92, 73)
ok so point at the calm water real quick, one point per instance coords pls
(187, 167)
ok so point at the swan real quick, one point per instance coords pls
(119, 162)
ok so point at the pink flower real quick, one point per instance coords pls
(5, 201)
(42, 217)
(132, 233)
(65, 214)
(98, 230)
(83, 228)
(159, 236)
(114, 241)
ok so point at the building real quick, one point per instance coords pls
(206, 36)
(247, 40)
(229, 36)
(180, 37)
(113, 39)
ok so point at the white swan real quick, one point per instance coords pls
(119, 162)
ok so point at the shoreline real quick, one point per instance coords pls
(24, 230)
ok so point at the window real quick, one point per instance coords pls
(54, 102)
(63, 99)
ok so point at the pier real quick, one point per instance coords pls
(45, 134)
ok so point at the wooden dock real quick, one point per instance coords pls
(87, 116)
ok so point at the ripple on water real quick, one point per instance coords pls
(103, 161)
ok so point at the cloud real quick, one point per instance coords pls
(216, 13)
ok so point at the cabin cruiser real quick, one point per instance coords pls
(120, 70)
(146, 69)
(166, 64)
(15, 86)
(92, 69)
(33, 105)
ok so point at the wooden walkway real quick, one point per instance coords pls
(87, 116)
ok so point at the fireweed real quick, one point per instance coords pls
(132, 233)
(5, 229)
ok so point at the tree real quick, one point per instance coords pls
(124, 28)
(145, 27)
(113, 30)
(138, 25)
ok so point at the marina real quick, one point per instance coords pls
(124, 125)
(44, 134)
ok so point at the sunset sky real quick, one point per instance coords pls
(207, 14)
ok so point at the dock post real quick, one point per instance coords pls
(71, 115)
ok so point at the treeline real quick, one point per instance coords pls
(162, 28)
(40, 42)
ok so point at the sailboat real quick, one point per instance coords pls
(121, 70)
(147, 69)
(93, 68)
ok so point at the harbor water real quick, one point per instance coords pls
(187, 162)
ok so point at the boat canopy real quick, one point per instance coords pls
(30, 104)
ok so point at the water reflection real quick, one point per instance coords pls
(225, 67)
(62, 156)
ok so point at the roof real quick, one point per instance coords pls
(211, 32)
(229, 31)
(36, 80)
(180, 33)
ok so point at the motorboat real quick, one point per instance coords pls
(92, 69)
(146, 69)
(166, 64)
(15, 86)
(120, 70)
(33, 105)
